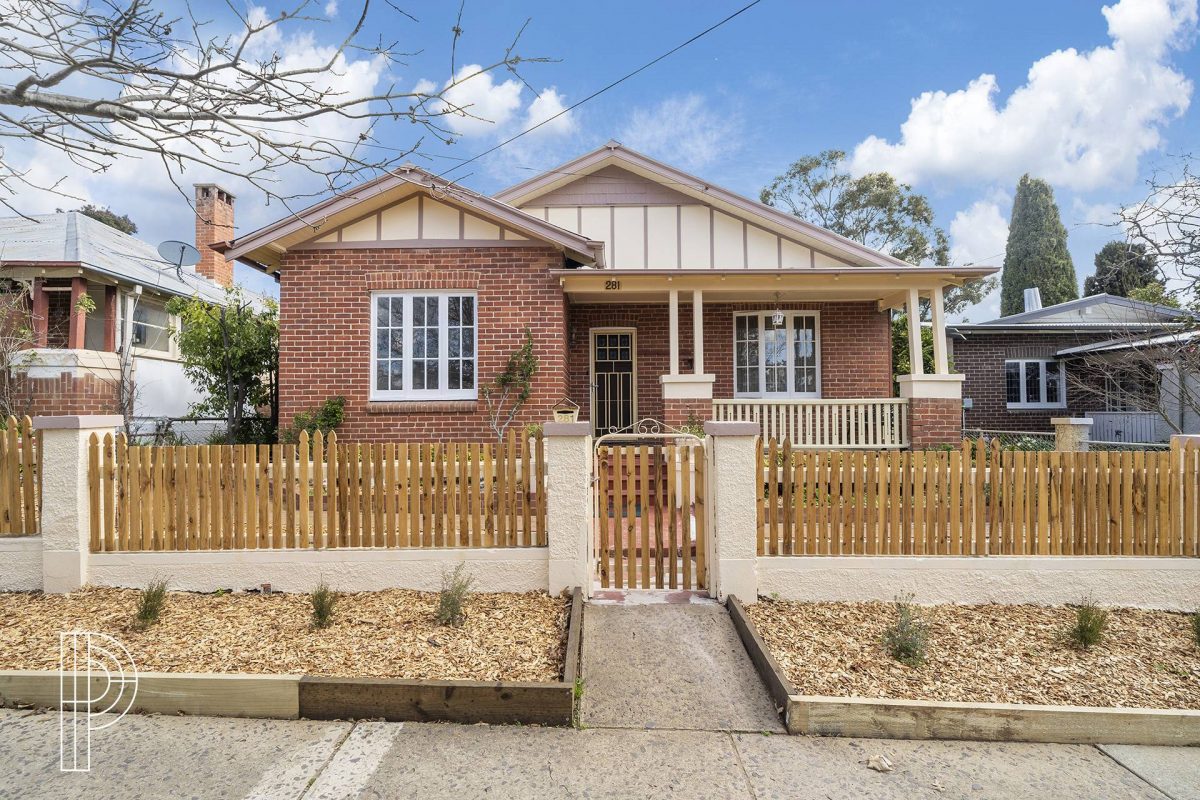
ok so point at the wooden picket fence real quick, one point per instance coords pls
(20, 478)
(317, 494)
(979, 501)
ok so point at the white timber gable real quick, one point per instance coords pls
(647, 225)
(418, 219)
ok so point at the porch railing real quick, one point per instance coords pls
(1124, 426)
(868, 423)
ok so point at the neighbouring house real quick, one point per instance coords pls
(649, 293)
(1130, 367)
(76, 359)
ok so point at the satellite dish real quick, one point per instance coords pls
(181, 254)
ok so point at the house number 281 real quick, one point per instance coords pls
(608, 285)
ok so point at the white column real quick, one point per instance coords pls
(569, 505)
(66, 514)
(697, 332)
(673, 314)
(733, 548)
(916, 358)
(941, 364)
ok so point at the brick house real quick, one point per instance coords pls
(76, 357)
(649, 293)
(1074, 359)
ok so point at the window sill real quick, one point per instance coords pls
(1035, 407)
(422, 406)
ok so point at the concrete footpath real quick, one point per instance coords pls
(211, 758)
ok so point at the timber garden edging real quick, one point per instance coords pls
(874, 718)
(319, 697)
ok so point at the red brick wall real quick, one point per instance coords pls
(855, 339)
(934, 422)
(325, 341)
(981, 358)
(87, 394)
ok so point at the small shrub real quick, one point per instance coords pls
(1090, 623)
(533, 430)
(693, 426)
(150, 603)
(323, 601)
(1195, 618)
(455, 587)
(906, 638)
(324, 418)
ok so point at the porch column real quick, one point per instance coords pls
(110, 319)
(697, 332)
(916, 353)
(40, 303)
(673, 316)
(941, 365)
(75, 334)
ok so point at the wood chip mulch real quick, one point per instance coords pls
(991, 653)
(510, 637)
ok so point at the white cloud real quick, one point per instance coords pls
(476, 104)
(1081, 120)
(543, 108)
(331, 8)
(979, 234)
(683, 130)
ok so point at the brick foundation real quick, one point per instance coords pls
(676, 412)
(67, 395)
(934, 422)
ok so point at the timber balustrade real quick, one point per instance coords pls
(316, 494)
(979, 500)
(871, 423)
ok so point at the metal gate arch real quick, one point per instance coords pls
(650, 524)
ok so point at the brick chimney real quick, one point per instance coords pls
(214, 223)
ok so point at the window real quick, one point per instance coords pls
(776, 360)
(1131, 389)
(150, 328)
(424, 346)
(1035, 384)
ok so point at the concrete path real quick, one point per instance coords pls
(679, 667)
(214, 759)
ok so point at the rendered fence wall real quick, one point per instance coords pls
(318, 494)
(979, 500)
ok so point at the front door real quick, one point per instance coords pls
(614, 387)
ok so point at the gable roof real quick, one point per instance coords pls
(71, 238)
(615, 154)
(266, 246)
(1099, 311)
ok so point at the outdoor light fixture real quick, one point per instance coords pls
(777, 317)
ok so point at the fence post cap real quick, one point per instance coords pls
(713, 428)
(581, 428)
(78, 422)
(1070, 421)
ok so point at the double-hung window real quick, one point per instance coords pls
(423, 346)
(776, 357)
(1035, 384)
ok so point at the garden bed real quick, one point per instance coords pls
(386, 634)
(984, 654)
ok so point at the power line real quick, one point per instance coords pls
(601, 91)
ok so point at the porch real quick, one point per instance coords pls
(809, 363)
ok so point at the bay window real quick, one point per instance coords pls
(776, 357)
(423, 346)
(1035, 384)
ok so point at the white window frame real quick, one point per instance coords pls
(442, 392)
(127, 302)
(789, 316)
(1041, 362)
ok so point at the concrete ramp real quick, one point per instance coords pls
(677, 667)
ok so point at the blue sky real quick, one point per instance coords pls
(1109, 99)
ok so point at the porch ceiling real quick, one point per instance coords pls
(862, 283)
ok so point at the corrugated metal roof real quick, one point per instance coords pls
(74, 237)
(1181, 338)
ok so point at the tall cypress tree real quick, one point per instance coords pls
(1036, 254)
